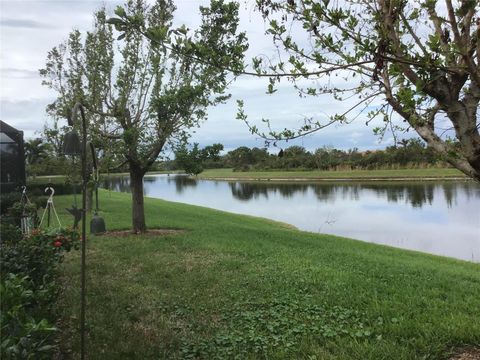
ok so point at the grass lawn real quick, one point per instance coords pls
(60, 179)
(233, 286)
(317, 174)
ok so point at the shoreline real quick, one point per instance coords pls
(403, 175)
(326, 179)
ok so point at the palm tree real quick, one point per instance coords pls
(36, 150)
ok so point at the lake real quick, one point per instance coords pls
(436, 217)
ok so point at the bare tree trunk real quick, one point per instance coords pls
(138, 211)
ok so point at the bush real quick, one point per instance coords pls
(15, 212)
(36, 255)
(23, 337)
(28, 289)
(7, 200)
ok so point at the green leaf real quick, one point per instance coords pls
(115, 21)
(120, 11)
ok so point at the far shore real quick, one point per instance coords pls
(428, 174)
(310, 179)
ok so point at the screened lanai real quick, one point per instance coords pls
(12, 158)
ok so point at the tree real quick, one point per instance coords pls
(193, 161)
(37, 156)
(147, 97)
(212, 152)
(240, 158)
(36, 150)
(419, 59)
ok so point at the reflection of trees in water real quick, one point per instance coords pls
(248, 191)
(450, 193)
(328, 192)
(149, 179)
(418, 194)
(287, 190)
(470, 188)
(182, 182)
(415, 193)
(116, 183)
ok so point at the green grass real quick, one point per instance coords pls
(60, 179)
(238, 285)
(317, 174)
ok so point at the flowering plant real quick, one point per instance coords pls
(64, 239)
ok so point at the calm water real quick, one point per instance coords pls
(441, 218)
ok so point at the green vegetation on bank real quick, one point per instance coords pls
(61, 179)
(428, 173)
(232, 285)
(408, 154)
(440, 173)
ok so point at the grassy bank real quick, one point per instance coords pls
(408, 174)
(237, 285)
(60, 179)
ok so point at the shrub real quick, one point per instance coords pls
(28, 289)
(36, 255)
(15, 212)
(7, 200)
(23, 337)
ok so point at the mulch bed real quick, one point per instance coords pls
(148, 233)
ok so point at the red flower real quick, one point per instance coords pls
(57, 243)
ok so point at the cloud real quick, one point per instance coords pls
(13, 73)
(26, 115)
(24, 23)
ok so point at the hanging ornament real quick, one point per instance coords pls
(26, 220)
(49, 209)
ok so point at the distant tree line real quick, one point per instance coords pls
(407, 154)
(42, 159)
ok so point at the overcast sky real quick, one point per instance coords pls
(29, 29)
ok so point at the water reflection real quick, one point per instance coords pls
(116, 183)
(182, 182)
(436, 217)
(416, 194)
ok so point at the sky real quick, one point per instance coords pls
(30, 28)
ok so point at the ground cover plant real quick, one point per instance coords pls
(232, 286)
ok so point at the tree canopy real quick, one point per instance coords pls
(193, 160)
(417, 62)
(144, 97)
(413, 64)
